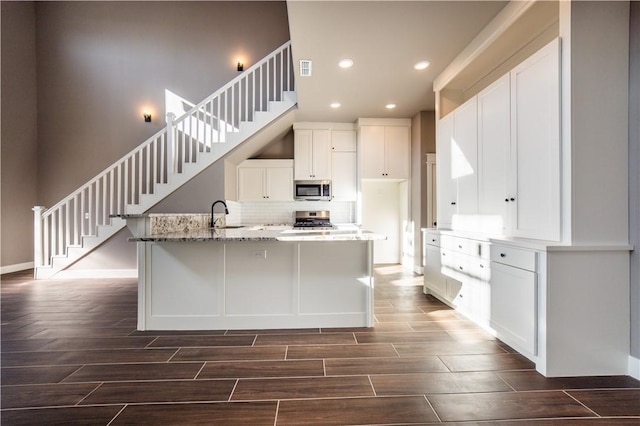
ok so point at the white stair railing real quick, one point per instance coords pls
(200, 130)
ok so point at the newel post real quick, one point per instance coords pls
(172, 158)
(37, 236)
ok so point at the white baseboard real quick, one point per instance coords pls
(634, 367)
(97, 273)
(15, 268)
(418, 269)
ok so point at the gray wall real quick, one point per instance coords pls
(99, 65)
(19, 168)
(634, 172)
(423, 141)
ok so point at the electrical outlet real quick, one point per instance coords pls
(260, 254)
(86, 215)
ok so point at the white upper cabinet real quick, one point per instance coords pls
(535, 146)
(343, 140)
(312, 154)
(493, 155)
(446, 185)
(343, 165)
(384, 150)
(456, 148)
(265, 180)
(499, 155)
(464, 160)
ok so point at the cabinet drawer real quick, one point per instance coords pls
(432, 239)
(513, 256)
(465, 246)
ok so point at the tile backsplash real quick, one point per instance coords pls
(283, 213)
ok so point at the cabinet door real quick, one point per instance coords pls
(535, 146)
(251, 184)
(343, 140)
(434, 281)
(303, 154)
(396, 154)
(513, 306)
(493, 155)
(344, 176)
(321, 155)
(464, 160)
(446, 185)
(372, 147)
(279, 184)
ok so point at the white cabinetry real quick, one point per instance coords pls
(384, 148)
(312, 153)
(343, 169)
(457, 272)
(457, 146)
(499, 155)
(514, 297)
(535, 146)
(493, 155)
(265, 180)
(447, 192)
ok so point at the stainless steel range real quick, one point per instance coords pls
(318, 219)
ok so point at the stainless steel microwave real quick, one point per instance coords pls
(314, 190)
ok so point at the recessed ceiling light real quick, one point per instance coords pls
(422, 65)
(335, 105)
(345, 63)
(390, 106)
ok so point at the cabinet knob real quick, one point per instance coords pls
(512, 199)
(506, 200)
(453, 203)
(503, 255)
(482, 266)
(433, 240)
(459, 246)
(460, 267)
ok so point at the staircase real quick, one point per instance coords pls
(189, 144)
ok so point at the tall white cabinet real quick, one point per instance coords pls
(344, 175)
(534, 185)
(552, 288)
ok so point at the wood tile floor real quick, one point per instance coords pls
(71, 356)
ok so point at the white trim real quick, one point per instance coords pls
(634, 367)
(97, 273)
(16, 267)
(489, 34)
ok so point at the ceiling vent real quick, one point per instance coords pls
(305, 68)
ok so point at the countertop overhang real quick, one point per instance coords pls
(259, 234)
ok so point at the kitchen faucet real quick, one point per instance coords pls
(226, 210)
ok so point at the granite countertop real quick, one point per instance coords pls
(258, 233)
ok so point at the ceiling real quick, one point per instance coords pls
(384, 39)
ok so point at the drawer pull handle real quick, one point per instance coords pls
(482, 266)
(433, 240)
(459, 246)
(503, 255)
(460, 267)
(506, 199)
(453, 203)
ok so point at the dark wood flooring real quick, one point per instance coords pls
(71, 356)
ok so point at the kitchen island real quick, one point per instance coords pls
(192, 277)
